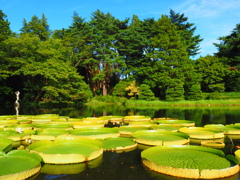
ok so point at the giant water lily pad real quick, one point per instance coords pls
(215, 126)
(155, 137)
(126, 131)
(67, 150)
(47, 134)
(202, 132)
(175, 122)
(95, 133)
(232, 129)
(19, 164)
(5, 144)
(127, 119)
(189, 162)
(119, 143)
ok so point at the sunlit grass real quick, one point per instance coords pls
(226, 102)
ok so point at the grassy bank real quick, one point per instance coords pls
(216, 102)
(209, 99)
(226, 102)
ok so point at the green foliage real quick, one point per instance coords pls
(41, 71)
(145, 93)
(175, 91)
(213, 72)
(186, 30)
(37, 27)
(194, 93)
(110, 99)
(229, 47)
(5, 30)
(120, 89)
(91, 58)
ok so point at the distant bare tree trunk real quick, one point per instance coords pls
(104, 88)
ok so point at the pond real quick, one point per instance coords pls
(127, 165)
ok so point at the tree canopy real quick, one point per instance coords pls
(133, 58)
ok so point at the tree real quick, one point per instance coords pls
(132, 89)
(120, 89)
(40, 71)
(194, 93)
(37, 26)
(213, 72)
(5, 33)
(187, 31)
(145, 93)
(132, 45)
(229, 52)
(5, 30)
(175, 91)
(229, 47)
(168, 61)
(108, 61)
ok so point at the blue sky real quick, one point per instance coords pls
(213, 18)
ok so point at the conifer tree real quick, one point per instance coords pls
(37, 26)
(5, 30)
(187, 32)
(145, 93)
(168, 61)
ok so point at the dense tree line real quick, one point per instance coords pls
(146, 59)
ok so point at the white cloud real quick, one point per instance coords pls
(209, 8)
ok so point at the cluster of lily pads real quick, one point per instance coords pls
(167, 144)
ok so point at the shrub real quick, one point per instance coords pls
(145, 93)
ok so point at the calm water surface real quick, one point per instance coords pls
(127, 165)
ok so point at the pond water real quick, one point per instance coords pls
(127, 165)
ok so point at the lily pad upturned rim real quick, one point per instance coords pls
(160, 137)
(118, 143)
(66, 151)
(153, 159)
(21, 164)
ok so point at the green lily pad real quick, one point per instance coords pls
(119, 143)
(155, 137)
(66, 151)
(19, 164)
(202, 132)
(189, 162)
(5, 144)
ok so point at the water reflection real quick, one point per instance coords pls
(201, 115)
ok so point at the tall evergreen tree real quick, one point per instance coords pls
(5, 30)
(5, 33)
(187, 32)
(213, 72)
(169, 61)
(145, 93)
(109, 63)
(132, 44)
(37, 26)
(229, 47)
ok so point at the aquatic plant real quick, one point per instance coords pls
(202, 132)
(5, 144)
(96, 133)
(119, 143)
(162, 138)
(67, 150)
(19, 164)
(190, 161)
